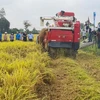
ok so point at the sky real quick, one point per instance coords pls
(17, 11)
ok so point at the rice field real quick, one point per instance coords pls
(22, 66)
(27, 73)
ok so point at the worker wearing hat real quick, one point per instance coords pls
(5, 36)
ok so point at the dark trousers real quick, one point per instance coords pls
(30, 40)
(90, 37)
(99, 44)
(11, 40)
(25, 39)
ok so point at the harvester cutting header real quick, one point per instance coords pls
(65, 33)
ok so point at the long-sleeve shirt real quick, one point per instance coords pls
(11, 37)
(0, 35)
(21, 36)
(5, 37)
(98, 35)
(30, 36)
(18, 36)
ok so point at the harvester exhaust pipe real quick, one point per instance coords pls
(41, 21)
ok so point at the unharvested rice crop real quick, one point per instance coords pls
(22, 67)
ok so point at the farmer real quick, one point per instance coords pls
(21, 36)
(90, 35)
(86, 27)
(5, 36)
(99, 26)
(30, 37)
(12, 37)
(17, 36)
(98, 38)
(0, 36)
(94, 34)
(24, 37)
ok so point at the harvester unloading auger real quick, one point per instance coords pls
(65, 33)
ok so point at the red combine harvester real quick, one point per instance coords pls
(65, 33)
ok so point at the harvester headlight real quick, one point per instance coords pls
(59, 36)
(64, 36)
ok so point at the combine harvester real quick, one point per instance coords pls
(64, 34)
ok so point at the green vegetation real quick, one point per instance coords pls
(92, 49)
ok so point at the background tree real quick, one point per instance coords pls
(27, 31)
(4, 23)
(13, 30)
(34, 31)
(21, 30)
(2, 13)
(26, 25)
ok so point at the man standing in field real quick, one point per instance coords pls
(12, 37)
(90, 35)
(5, 36)
(98, 37)
(30, 37)
(17, 36)
(0, 36)
(21, 36)
(24, 37)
